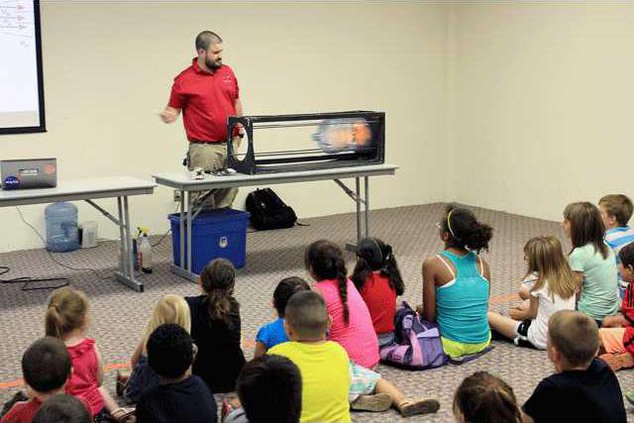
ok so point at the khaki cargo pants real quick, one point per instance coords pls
(212, 157)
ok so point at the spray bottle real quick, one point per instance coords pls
(144, 250)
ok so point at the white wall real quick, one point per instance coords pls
(541, 99)
(108, 68)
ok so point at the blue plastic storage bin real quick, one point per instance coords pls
(218, 233)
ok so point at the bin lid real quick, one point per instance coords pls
(214, 215)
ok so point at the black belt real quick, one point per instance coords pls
(207, 142)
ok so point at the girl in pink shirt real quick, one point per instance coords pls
(67, 319)
(351, 322)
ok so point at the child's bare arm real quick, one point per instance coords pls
(521, 313)
(429, 289)
(136, 354)
(260, 349)
(99, 375)
(524, 293)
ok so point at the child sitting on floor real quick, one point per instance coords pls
(378, 279)
(269, 390)
(583, 387)
(616, 212)
(169, 309)
(553, 290)
(592, 261)
(67, 319)
(274, 333)
(325, 363)
(216, 325)
(456, 284)
(485, 398)
(46, 367)
(617, 331)
(179, 396)
(351, 321)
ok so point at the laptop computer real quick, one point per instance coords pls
(28, 173)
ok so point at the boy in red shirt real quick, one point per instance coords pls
(46, 367)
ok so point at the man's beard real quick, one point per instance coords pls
(213, 65)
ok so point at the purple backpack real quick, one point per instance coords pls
(417, 343)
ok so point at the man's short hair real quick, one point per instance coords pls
(575, 335)
(619, 206)
(62, 408)
(205, 39)
(270, 390)
(170, 351)
(46, 365)
(285, 290)
(306, 313)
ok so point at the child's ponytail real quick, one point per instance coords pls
(325, 261)
(465, 231)
(67, 310)
(375, 255)
(217, 281)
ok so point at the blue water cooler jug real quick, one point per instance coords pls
(61, 227)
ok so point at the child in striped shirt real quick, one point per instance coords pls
(616, 212)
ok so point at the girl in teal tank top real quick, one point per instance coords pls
(456, 284)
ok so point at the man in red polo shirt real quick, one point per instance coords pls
(207, 93)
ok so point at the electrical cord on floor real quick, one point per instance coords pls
(28, 280)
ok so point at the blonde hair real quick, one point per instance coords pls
(67, 310)
(545, 256)
(169, 309)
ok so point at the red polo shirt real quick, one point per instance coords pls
(206, 99)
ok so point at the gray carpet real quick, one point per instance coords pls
(119, 314)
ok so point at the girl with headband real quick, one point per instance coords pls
(456, 284)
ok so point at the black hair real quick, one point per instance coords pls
(306, 314)
(285, 290)
(373, 255)
(62, 408)
(170, 351)
(218, 280)
(485, 398)
(205, 39)
(270, 390)
(627, 254)
(46, 365)
(325, 260)
(464, 229)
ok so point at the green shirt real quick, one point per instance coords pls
(600, 281)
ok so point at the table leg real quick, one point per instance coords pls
(189, 234)
(126, 276)
(366, 188)
(357, 185)
(181, 262)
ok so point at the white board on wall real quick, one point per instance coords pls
(21, 90)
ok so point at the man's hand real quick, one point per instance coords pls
(169, 115)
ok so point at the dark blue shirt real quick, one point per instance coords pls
(189, 400)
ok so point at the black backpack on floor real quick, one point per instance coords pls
(268, 211)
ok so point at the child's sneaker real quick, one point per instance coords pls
(409, 408)
(376, 402)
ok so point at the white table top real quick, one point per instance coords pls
(182, 181)
(79, 189)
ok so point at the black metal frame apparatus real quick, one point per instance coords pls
(283, 161)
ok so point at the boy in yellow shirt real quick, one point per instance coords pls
(323, 364)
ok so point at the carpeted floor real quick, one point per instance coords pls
(119, 314)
